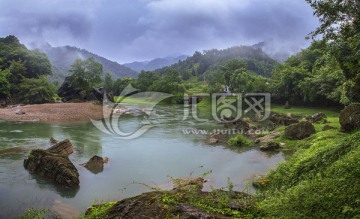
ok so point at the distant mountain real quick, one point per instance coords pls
(62, 57)
(256, 60)
(155, 63)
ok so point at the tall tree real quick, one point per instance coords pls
(340, 25)
(86, 74)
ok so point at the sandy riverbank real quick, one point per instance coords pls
(54, 112)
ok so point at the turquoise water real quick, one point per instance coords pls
(162, 151)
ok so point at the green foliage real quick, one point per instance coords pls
(239, 141)
(312, 76)
(17, 66)
(33, 213)
(108, 83)
(321, 179)
(36, 90)
(145, 80)
(202, 63)
(120, 84)
(98, 210)
(340, 25)
(4, 84)
(86, 74)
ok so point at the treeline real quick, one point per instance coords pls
(311, 77)
(23, 74)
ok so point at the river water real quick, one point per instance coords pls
(163, 151)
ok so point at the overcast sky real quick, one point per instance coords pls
(128, 30)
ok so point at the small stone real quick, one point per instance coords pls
(213, 140)
(19, 112)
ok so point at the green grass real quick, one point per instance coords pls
(319, 181)
(306, 111)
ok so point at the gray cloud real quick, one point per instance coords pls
(126, 30)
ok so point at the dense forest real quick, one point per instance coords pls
(23, 74)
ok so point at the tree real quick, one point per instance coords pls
(120, 84)
(36, 90)
(4, 84)
(170, 83)
(340, 25)
(145, 80)
(108, 83)
(86, 74)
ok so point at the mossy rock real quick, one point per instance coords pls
(299, 131)
(350, 117)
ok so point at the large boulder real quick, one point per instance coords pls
(350, 117)
(95, 164)
(281, 119)
(299, 131)
(53, 166)
(67, 92)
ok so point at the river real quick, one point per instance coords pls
(162, 151)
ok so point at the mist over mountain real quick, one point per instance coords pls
(155, 63)
(61, 59)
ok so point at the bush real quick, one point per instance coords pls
(239, 141)
(33, 90)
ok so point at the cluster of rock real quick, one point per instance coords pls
(54, 163)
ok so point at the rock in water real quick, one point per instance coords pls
(53, 166)
(299, 131)
(64, 148)
(350, 117)
(95, 164)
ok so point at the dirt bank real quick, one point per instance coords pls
(54, 112)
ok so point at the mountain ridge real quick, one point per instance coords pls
(62, 57)
(154, 64)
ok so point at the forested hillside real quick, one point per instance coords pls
(62, 57)
(254, 58)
